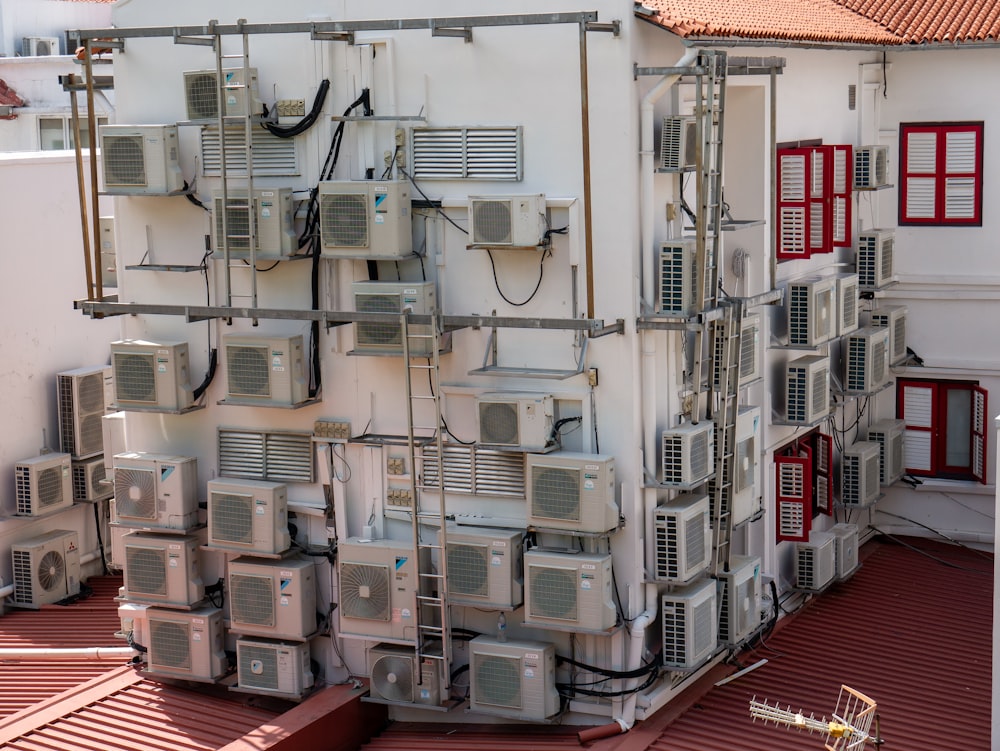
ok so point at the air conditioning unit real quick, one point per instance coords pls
(263, 370)
(515, 679)
(365, 219)
(43, 485)
(811, 316)
(690, 623)
(81, 405)
(678, 143)
(571, 491)
(739, 599)
(39, 46)
(815, 561)
(867, 360)
(274, 228)
(745, 483)
(163, 570)
(807, 382)
(272, 598)
(90, 482)
(248, 516)
(156, 491)
(379, 583)
(873, 258)
(569, 591)
(892, 317)
(273, 668)
(678, 275)
(46, 569)
(871, 166)
(393, 297)
(398, 677)
(848, 303)
(151, 376)
(240, 96)
(507, 221)
(186, 644)
(140, 159)
(750, 349)
(845, 549)
(485, 567)
(515, 421)
(889, 435)
(688, 453)
(113, 432)
(860, 474)
(683, 538)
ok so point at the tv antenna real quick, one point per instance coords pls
(847, 731)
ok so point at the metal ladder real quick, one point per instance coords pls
(421, 347)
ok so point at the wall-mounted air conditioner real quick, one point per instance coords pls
(677, 276)
(688, 453)
(873, 258)
(274, 228)
(240, 96)
(398, 677)
(571, 491)
(746, 472)
(750, 349)
(807, 394)
(163, 570)
(81, 405)
(46, 569)
(678, 143)
(155, 491)
(889, 435)
(485, 567)
(860, 473)
(871, 166)
(379, 584)
(815, 561)
(186, 644)
(689, 617)
(811, 314)
(39, 46)
(515, 420)
(848, 303)
(683, 538)
(507, 221)
(866, 360)
(265, 370)
(892, 317)
(569, 591)
(386, 338)
(272, 598)
(90, 480)
(273, 668)
(365, 219)
(43, 484)
(739, 599)
(248, 516)
(140, 159)
(515, 679)
(845, 549)
(151, 376)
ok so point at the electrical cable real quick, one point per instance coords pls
(942, 561)
(306, 122)
(432, 204)
(496, 281)
(938, 532)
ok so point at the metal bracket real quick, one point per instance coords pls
(331, 36)
(491, 368)
(615, 27)
(202, 41)
(464, 32)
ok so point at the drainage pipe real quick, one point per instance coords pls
(66, 653)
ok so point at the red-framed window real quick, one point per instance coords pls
(945, 428)
(805, 190)
(803, 481)
(941, 174)
(841, 185)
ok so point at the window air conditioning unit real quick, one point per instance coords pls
(46, 569)
(485, 567)
(688, 453)
(386, 338)
(274, 228)
(892, 317)
(807, 389)
(889, 435)
(678, 274)
(273, 668)
(873, 259)
(514, 679)
(39, 46)
(860, 474)
(163, 570)
(867, 360)
(690, 624)
(140, 159)
(186, 644)
(240, 96)
(507, 221)
(678, 143)
(365, 219)
(569, 591)
(398, 677)
(683, 538)
(272, 598)
(263, 370)
(43, 485)
(379, 584)
(871, 166)
(81, 405)
(845, 549)
(570, 491)
(750, 349)
(848, 303)
(151, 376)
(739, 599)
(515, 421)
(815, 561)
(811, 316)
(89, 483)
(248, 516)
(156, 491)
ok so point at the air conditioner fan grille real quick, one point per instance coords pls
(135, 377)
(252, 599)
(553, 593)
(145, 571)
(468, 570)
(555, 493)
(343, 220)
(249, 370)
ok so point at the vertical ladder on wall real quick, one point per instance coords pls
(421, 348)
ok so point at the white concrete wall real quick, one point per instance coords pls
(47, 18)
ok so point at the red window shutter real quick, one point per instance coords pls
(979, 406)
(793, 205)
(917, 406)
(941, 174)
(823, 471)
(793, 494)
(841, 179)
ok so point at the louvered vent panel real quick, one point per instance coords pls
(467, 153)
(271, 155)
(260, 455)
(470, 470)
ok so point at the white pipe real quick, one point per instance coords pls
(66, 653)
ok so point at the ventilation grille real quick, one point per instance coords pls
(365, 591)
(468, 569)
(493, 220)
(48, 490)
(170, 644)
(387, 335)
(343, 219)
(87, 480)
(248, 370)
(252, 599)
(496, 680)
(272, 156)
(257, 666)
(124, 160)
(678, 278)
(467, 153)
(232, 517)
(135, 377)
(80, 412)
(556, 493)
(278, 456)
(678, 143)
(470, 470)
(145, 571)
(553, 593)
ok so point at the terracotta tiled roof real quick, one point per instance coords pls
(933, 20)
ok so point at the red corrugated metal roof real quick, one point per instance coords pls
(413, 736)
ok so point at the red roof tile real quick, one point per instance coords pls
(933, 20)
